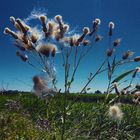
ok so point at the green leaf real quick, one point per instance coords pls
(122, 76)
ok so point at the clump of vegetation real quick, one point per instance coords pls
(38, 48)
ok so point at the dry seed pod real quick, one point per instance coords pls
(138, 86)
(94, 28)
(127, 54)
(29, 46)
(53, 52)
(22, 26)
(117, 42)
(58, 18)
(98, 21)
(46, 49)
(43, 21)
(38, 83)
(98, 38)
(22, 57)
(19, 46)
(109, 52)
(111, 27)
(85, 42)
(12, 19)
(136, 59)
(25, 39)
(86, 30)
(34, 38)
(135, 72)
(8, 31)
(116, 88)
(71, 42)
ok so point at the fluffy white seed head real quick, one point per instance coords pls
(7, 30)
(58, 18)
(86, 30)
(43, 18)
(98, 21)
(12, 19)
(137, 69)
(115, 112)
(66, 27)
(111, 25)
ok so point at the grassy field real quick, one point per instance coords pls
(25, 117)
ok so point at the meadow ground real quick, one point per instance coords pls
(25, 117)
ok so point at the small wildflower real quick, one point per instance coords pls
(115, 112)
(13, 105)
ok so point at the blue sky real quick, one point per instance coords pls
(78, 13)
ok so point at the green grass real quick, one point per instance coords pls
(87, 119)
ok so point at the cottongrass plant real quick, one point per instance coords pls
(115, 112)
(38, 48)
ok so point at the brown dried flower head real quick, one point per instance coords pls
(22, 57)
(127, 54)
(117, 42)
(85, 42)
(136, 59)
(46, 49)
(98, 38)
(111, 25)
(98, 21)
(12, 19)
(86, 30)
(109, 52)
(38, 83)
(8, 31)
(22, 26)
(58, 18)
(138, 86)
(43, 18)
